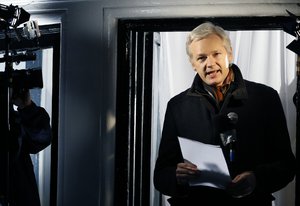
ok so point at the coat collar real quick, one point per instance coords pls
(239, 90)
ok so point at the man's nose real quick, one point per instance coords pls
(210, 61)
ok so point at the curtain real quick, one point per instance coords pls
(262, 57)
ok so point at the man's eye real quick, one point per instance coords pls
(201, 59)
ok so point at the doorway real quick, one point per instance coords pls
(134, 109)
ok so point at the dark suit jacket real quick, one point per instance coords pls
(263, 144)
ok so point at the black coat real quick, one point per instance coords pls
(263, 143)
(30, 133)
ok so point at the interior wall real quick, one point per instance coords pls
(88, 79)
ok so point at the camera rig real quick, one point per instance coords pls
(293, 28)
(11, 17)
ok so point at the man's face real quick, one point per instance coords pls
(210, 59)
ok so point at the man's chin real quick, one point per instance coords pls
(213, 83)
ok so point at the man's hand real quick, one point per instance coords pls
(21, 98)
(242, 185)
(186, 171)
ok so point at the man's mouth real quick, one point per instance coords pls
(212, 73)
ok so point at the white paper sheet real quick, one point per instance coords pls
(209, 160)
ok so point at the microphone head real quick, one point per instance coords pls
(224, 122)
(233, 117)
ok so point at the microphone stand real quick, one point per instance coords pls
(5, 109)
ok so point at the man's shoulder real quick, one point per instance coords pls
(260, 90)
(257, 86)
(180, 97)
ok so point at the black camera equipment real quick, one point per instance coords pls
(13, 80)
(293, 28)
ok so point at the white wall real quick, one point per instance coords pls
(88, 77)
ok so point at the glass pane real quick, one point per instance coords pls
(43, 97)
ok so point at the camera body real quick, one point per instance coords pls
(23, 79)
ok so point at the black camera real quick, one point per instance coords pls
(23, 79)
(27, 79)
(11, 17)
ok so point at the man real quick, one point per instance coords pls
(30, 132)
(263, 162)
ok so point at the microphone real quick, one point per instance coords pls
(228, 137)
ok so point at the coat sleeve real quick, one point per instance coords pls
(169, 155)
(280, 168)
(35, 128)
